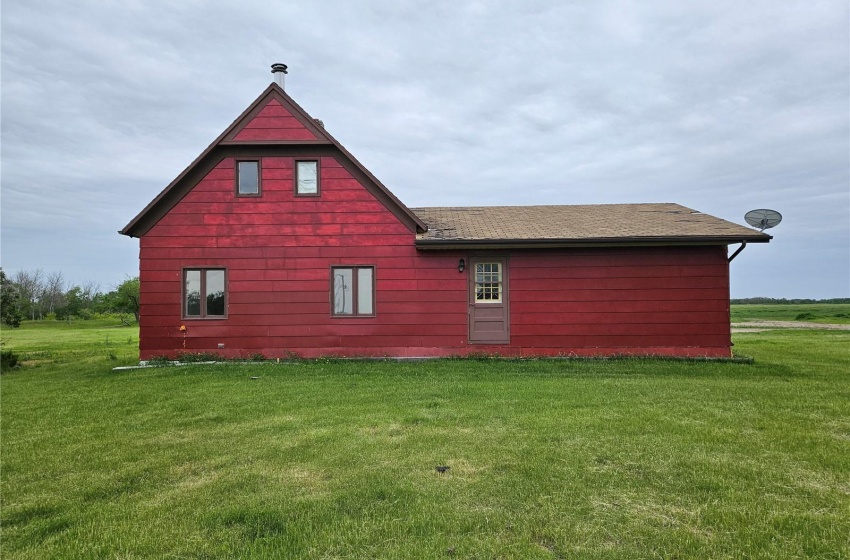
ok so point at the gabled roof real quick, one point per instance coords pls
(308, 137)
(580, 225)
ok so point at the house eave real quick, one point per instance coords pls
(447, 244)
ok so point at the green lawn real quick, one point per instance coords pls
(335, 459)
(838, 313)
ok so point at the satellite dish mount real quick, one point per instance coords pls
(762, 219)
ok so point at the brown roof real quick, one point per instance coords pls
(663, 223)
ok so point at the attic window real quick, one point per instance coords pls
(247, 178)
(307, 177)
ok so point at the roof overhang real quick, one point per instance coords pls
(447, 244)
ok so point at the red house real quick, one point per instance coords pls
(277, 241)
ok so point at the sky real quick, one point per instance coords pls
(721, 106)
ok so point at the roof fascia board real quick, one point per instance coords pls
(441, 244)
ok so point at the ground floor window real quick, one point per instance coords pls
(353, 290)
(204, 293)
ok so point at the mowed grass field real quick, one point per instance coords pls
(834, 313)
(336, 459)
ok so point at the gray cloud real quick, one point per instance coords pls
(720, 106)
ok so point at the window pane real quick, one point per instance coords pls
(343, 291)
(215, 292)
(193, 293)
(307, 177)
(488, 282)
(249, 177)
(364, 291)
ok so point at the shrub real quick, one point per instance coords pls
(198, 357)
(159, 361)
(8, 360)
(804, 317)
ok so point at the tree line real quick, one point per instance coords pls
(783, 301)
(34, 295)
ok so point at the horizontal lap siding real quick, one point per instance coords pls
(274, 122)
(622, 300)
(278, 250)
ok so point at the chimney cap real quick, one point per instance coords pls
(278, 67)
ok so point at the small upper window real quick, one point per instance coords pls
(307, 177)
(248, 178)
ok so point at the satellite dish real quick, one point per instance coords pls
(763, 218)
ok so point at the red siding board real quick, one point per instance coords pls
(620, 257)
(612, 319)
(248, 134)
(330, 172)
(274, 122)
(262, 121)
(621, 308)
(623, 341)
(615, 329)
(663, 294)
(274, 109)
(274, 174)
(270, 296)
(620, 283)
(597, 272)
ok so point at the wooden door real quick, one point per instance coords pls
(489, 320)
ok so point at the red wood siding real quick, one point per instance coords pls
(278, 250)
(663, 300)
(274, 122)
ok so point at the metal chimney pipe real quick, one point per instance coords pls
(279, 71)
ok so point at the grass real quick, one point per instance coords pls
(336, 459)
(55, 343)
(836, 313)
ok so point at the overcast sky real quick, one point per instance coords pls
(722, 106)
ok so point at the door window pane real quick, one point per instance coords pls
(488, 282)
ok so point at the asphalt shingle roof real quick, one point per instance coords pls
(597, 223)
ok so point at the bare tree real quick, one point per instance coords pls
(54, 291)
(89, 290)
(31, 287)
